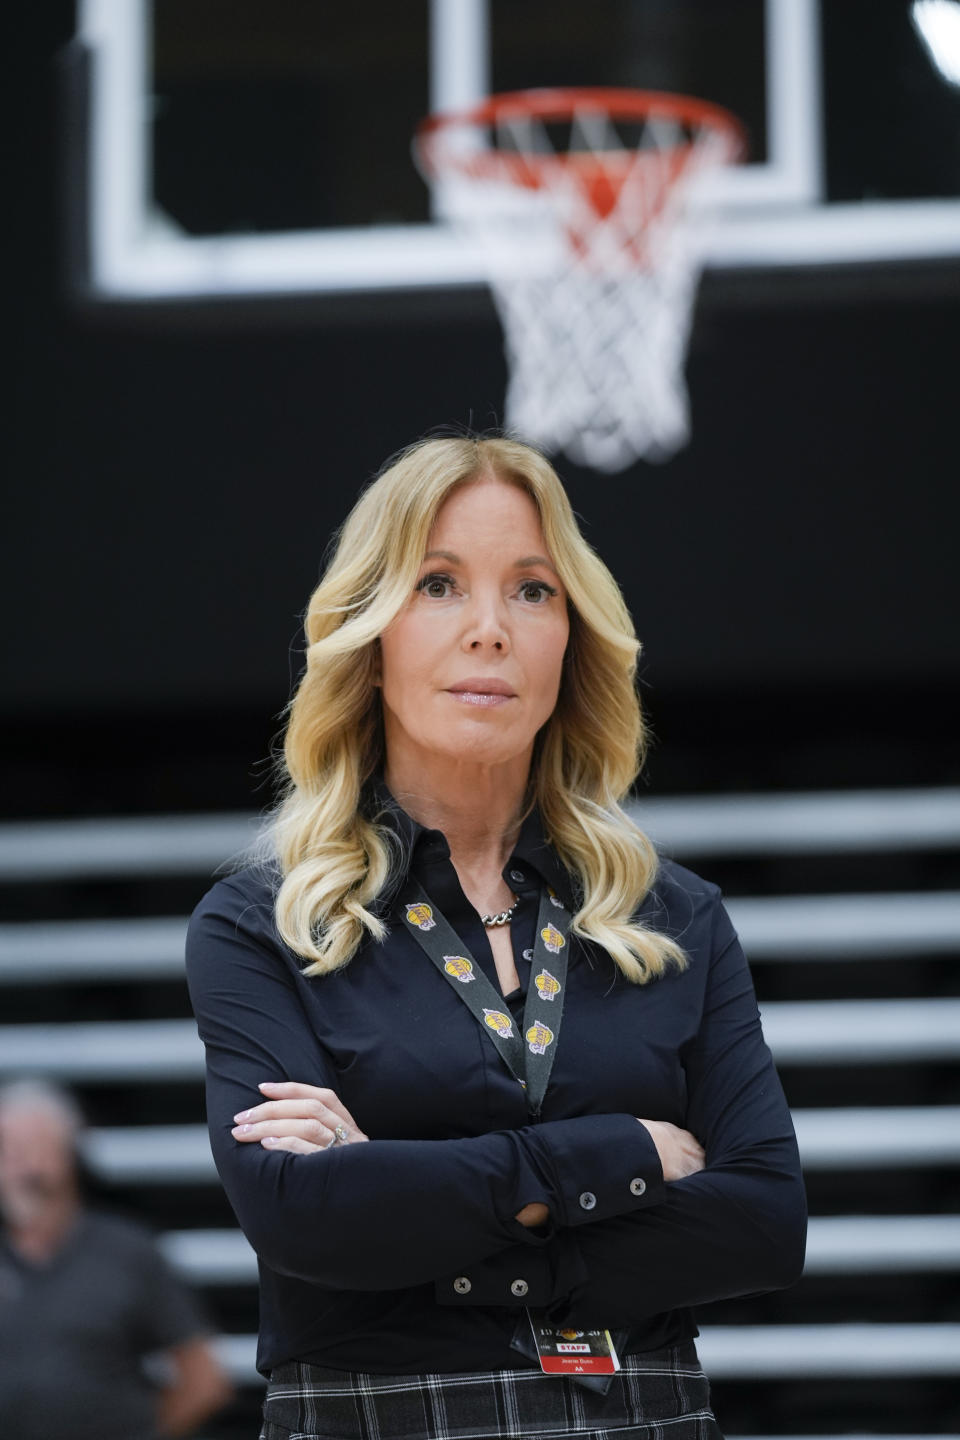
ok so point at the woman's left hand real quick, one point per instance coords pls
(300, 1118)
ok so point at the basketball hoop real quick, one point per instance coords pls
(588, 207)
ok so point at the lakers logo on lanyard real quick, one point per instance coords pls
(529, 1055)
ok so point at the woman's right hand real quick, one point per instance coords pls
(681, 1153)
(300, 1118)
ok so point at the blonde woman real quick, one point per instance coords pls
(486, 1083)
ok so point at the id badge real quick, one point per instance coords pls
(564, 1351)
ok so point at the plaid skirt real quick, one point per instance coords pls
(656, 1395)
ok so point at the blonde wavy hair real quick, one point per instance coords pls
(335, 859)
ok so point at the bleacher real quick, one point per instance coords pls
(847, 906)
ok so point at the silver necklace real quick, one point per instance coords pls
(503, 918)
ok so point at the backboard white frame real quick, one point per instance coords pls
(771, 215)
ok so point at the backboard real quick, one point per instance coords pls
(237, 149)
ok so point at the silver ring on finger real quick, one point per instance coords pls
(340, 1134)
(331, 1141)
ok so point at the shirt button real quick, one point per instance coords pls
(462, 1285)
(587, 1200)
(519, 1288)
(517, 875)
(638, 1186)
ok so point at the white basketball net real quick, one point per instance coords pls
(596, 305)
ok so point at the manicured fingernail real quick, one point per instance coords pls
(269, 1140)
(269, 1084)
(242, 1129)
(243, 1115)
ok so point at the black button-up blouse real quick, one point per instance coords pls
(403, 1254)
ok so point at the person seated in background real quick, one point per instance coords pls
(86, 1297)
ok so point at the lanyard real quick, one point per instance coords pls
(529, 1059)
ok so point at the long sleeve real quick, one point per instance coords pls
(736, 1228)
(389, 1213)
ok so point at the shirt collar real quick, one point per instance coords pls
(532, 847)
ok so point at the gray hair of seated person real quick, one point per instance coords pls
(39, 1093)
